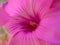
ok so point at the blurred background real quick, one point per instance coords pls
(2, 1)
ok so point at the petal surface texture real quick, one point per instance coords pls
(49, 28)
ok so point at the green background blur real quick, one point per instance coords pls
(2, 1)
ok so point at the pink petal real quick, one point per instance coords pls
(30, 6)
(20, 38)
(3, 16)
(56, 4)
(49, 28)
(13, 26)
(26, 39)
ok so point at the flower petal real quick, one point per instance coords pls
(30, 6)
(21, 38)
(14, 5)
(13, 26)
(49, 28)
(3, 16)
(56, 4)
(26, 39)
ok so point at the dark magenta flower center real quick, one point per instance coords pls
(29, 25)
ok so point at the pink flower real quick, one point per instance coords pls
(33, 20)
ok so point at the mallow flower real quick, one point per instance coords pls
(32, 21)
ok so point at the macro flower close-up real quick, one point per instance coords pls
(33, 22)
